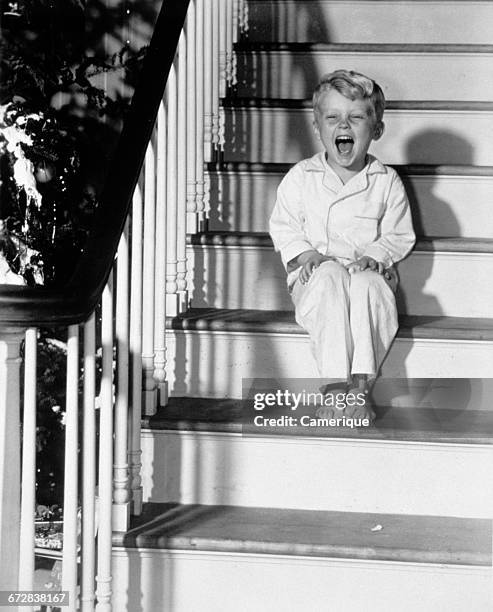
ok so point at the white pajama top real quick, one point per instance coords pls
(368, 216)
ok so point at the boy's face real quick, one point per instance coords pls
(346, 128)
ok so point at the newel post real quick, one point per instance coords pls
(10, 457)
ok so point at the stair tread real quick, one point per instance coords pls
(406, 170)
(282, 322)
(313, 533)
(424, 243)
(359, 1)
(306, 47)
(392, 424)
(406, 105)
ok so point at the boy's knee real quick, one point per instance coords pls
(369, 281)
(329, 279)
(331, 271)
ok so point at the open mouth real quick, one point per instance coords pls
(344, 144)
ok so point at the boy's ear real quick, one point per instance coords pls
(315, 129)
(378, 130)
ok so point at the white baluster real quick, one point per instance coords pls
(70, 489)
(236, 25)
(171, 199)
(121, 497)
(150, 389)
(215, 75)
(181, 217)
(229, 44)
(223, 38)
(241, 15)
(200, 110)
(105, 488)
(88, 559)
(223, 73)
(191, 121)
(28, 488)
(246, 19)
(208, 88)
(160, 274)
(136, 350)
(10, 341)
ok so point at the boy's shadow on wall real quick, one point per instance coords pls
(425, 204)
(422, 203)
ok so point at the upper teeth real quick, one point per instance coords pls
(344, 138)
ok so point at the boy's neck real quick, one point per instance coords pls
(346, 174)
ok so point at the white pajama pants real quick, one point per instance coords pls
(351, 319)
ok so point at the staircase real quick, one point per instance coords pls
(392, 518)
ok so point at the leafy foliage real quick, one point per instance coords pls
(63, 98)
(73, 112)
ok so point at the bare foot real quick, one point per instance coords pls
(333, 406)
(325, 412)
(361, 410)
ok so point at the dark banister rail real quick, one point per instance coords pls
(37, 306)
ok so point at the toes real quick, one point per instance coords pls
(364, 412)
(324, 412)
(350, 411)
(358, 413)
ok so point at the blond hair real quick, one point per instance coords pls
(352, 85)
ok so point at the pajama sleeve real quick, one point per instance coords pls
(286, 221)
(396, 236)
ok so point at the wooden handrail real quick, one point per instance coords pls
(37, 306)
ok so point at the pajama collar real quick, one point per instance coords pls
(333, 183)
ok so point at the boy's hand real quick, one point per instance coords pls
(309, 260)
(365, 263)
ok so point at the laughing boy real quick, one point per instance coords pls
(341, 221)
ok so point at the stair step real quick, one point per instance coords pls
(455, 72)
(442, 244)
(211, 350)
(446, 200)
(443, 198)
(247, 46)
(411, 105)
(428, 132)
(440, 540)
(229, 457)
(430, 424)
(440, 277)
(215, 558)
(282, 322)
(390, 21)
(405, 170)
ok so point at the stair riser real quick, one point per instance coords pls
(429, 76)
(213, 364)
(430, 283)
(442, 205)
(371, 21)
(420, 137)
(317, 474)
(150, 580)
